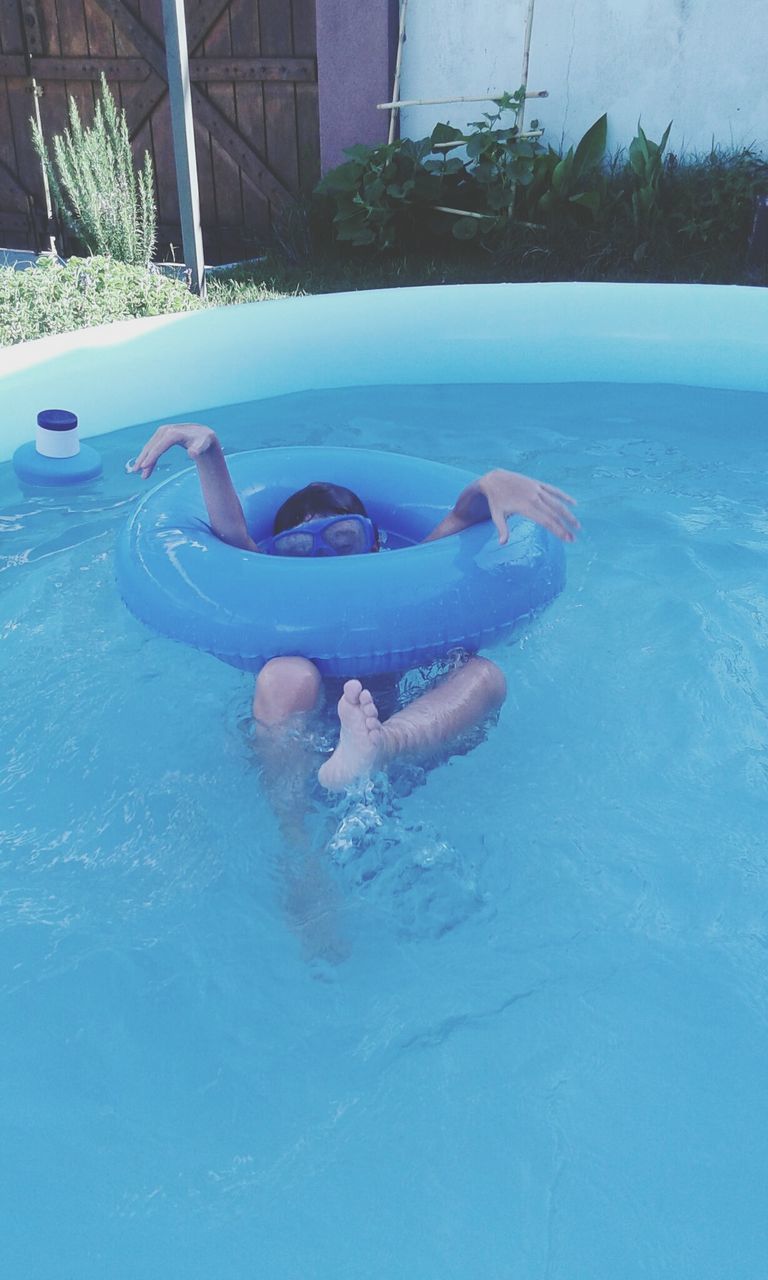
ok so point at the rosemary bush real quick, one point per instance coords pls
(101, 198)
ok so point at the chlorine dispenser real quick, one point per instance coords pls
(57, 457)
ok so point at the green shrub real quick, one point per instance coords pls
(407, 193)
(562, 187)
(95, 187)
(383, 196)
(538, 214)
(51, 298)
(680, 218)
(708, 202)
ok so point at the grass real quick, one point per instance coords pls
(697, 232)
(332, 272)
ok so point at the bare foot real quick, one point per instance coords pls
(361, 740)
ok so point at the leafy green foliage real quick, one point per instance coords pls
(566, 184)
(381, 193)
(646, 161)
(54, 298)
(640, 215)
(396, 195)
(500, 164)
(707, 204)
(109, 207)
(546, 215)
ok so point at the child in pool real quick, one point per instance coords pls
(327, 519)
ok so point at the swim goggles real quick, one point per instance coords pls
(342, 535)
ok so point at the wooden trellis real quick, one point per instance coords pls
(397, 104)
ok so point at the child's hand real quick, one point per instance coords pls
(510, 494)
(192, 435)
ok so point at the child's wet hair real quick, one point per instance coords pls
(319, 498)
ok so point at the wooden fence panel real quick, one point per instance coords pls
(16, 188)
(249, 108)
(225, 172)
(307, 117)
(254, 91)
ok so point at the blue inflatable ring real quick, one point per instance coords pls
(352, 615)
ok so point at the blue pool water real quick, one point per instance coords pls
(508, 1022)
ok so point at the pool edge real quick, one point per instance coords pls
(116, 375)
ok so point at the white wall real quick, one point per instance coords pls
(701, 63)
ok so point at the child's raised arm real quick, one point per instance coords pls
(499, 494)
(201, 443)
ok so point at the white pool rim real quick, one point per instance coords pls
(136, 371)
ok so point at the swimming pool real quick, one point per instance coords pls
(509, 1023)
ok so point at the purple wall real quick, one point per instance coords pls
(355, 42)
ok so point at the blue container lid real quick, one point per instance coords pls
(57, 420)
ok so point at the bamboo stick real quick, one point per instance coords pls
(463, 213)
(446, 146)
(398, 64)
(469, 213)
(397, 103)
(520, 113)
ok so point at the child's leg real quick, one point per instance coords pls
(461, 701)
(287, 691)
(285, 687)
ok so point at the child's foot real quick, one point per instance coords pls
(361, 740)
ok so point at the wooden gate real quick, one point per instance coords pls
(254, 98)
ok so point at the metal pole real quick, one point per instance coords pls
(33, 46)
(177, 61)
(36, 95)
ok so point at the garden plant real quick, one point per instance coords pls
(539, 214)
(484, 204)
(107, 205)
